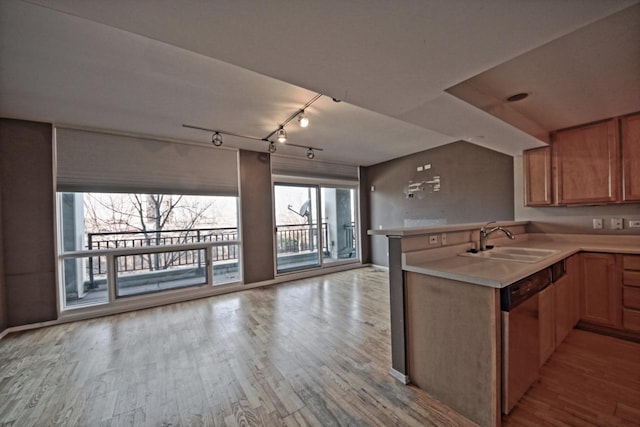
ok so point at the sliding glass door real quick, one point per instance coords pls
(298, 231)
(338, 207)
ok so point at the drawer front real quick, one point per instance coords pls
(631, 320)
(631, 262)
(631, 278)
(631, 297)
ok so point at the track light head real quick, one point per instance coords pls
(281, 135)
(310, 154)
(303, 120)
(272, 147)
(216, 139)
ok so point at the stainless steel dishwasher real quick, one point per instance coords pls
(520, 336)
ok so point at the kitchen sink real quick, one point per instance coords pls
(513, 253)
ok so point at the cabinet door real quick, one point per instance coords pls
(601, 291)
(567, 299)
(587, 164)
(537, 176)
(573, 272)
(631, 292)
(546, 315)
(630, 142)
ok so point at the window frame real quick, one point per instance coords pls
(114, 303)
(320, 183)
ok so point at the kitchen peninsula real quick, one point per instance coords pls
(446, 328)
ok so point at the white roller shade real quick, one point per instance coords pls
(303, 168)
(102, 162)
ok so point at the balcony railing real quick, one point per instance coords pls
(290, 238)
(136, 262)
(160, 261)
(294, 238)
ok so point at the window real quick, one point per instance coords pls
(144, 243)
(316, 213)
(339, 228)
(304, 242)
(298, 235)
(140, 215)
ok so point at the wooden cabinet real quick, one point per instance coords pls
(597, 163)
(547, 322)
(601, 290)
(537, 177)
(630, 146)
(631, 292)
(587, 164)
(567, 300)
(559, 309)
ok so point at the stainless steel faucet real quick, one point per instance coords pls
(484, 234)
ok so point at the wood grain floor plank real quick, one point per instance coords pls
(584, 383)
(313, 352)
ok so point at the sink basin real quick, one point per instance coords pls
(512, 253)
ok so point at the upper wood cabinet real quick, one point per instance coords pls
(630, 142)
(537, 177)
(587, 164)
(598, 163)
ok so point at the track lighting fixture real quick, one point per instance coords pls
(216, 139)
(303, 120)
(281, 135)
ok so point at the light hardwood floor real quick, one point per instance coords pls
(590, 380)
(309, 352)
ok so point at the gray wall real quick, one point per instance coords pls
(256, 216)
(476, 184)
(3, 299)
(571, 219)
(27, 224)
(365, 224)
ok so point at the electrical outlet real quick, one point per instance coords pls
(597, 222)
(616, 223)
(443, 239)
(433, 240)
(634, 224)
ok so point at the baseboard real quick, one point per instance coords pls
(404, 379)
(380, 267)
(28, 327)
(288, 277)
(604, 330)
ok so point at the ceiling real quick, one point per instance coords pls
(411, 75)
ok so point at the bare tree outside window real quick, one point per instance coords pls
(130, 220)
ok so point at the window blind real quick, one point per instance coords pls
(302, 168)
(91, 161)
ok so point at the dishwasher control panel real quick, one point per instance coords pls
(515, 294)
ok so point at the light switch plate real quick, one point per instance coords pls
(616, 223)
(597, 222)
(634, 223)
(433, 240)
